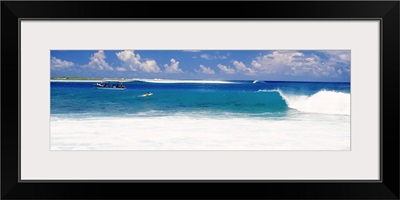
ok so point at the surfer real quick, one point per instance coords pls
(147, 94)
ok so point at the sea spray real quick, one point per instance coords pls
(324, 101)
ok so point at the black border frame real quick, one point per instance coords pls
(386, 11)
(188, 181)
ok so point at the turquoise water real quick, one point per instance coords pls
(244, 98)
(233, 115)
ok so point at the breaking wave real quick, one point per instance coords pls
(324, 101)
(183, 81)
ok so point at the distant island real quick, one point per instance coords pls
(73, 78)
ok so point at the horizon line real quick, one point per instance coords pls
(105, 78)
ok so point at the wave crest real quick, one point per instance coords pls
(324, 101)
(183, 81)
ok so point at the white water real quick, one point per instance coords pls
(150, 81)
(184, 81)
(301, 131)
(80, 81)
(326, 102)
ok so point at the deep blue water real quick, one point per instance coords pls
(240, 97)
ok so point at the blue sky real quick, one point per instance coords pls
(274, 65)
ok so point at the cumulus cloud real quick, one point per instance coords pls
(133, 62)
(226, 69)
(128, 56)
(130, 59)
(241, 67)
(173, 68)
(277, 61)
(205, 70)
(97, 61)
(56, 63)
(297, 63)
(150, 66)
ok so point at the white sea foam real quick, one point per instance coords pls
(201, 133)
(91, 81)
(156, 80)
(183, 81)
(327, 102)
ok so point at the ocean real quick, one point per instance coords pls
(201, 115)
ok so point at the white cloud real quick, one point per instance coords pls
(212, 57)
(205, 56)
(338, 55)
(293, 63)
(173, 68)
(121, 69)
(97, 61)
(128, 56)
(277, 61)
(222, 57)
(132, 62)
(255, 64)
(60, 64)
(226, 69)
(205, 70)
(130, 59)
(150, 66)
(241, 67)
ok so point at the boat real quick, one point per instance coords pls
(110, 86)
